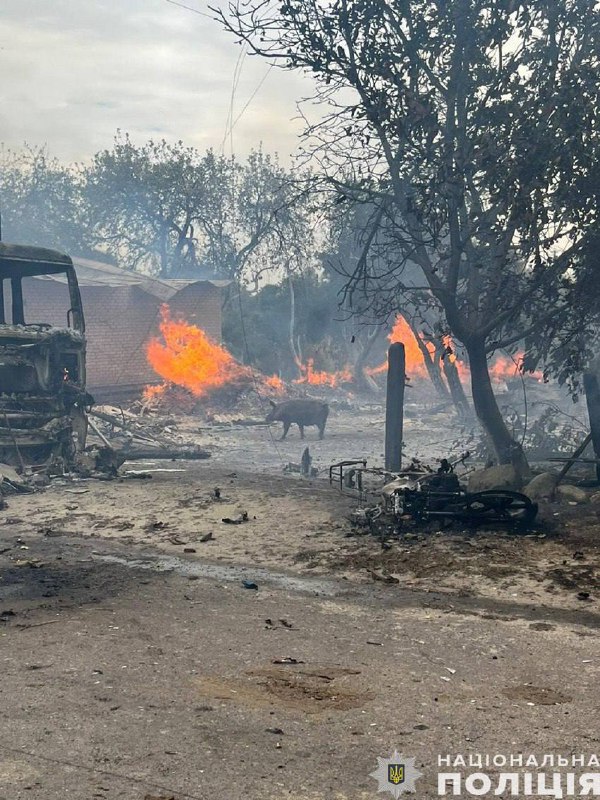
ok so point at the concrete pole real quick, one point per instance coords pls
(394, 407)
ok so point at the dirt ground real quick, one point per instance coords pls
(151, 650)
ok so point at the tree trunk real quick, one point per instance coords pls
(433, 370)
(363, 381)
(592, 397)
(459, 397)
(294, 345)
(431, 364)
(507, 450)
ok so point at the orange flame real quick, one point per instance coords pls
(187, 357)
(504, 369)
(275, 382)
(154, 392)
(449, 345)
(319, 378)
(501, 369)
(414, 359)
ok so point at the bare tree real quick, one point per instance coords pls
(42, 202)
(170, 209)
(465, 124)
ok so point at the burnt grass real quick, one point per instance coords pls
(560, 554)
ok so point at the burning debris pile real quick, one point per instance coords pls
(196, 368)
(201, 376)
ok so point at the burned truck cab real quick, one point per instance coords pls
(43, 400)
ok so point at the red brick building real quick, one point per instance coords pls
(122, 312)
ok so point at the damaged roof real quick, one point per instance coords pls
(97, 273)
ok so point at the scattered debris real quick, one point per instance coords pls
(380, 576)
(133, 474)
(50, 532)
(243, 517)
(207, 537)
(270, 625)
(13, 483)
(138, 437)
(32, 563)
(419, 495)
(157, 525)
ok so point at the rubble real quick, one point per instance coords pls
(13, 483)
(138, 437)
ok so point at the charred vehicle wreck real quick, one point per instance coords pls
(43, 401)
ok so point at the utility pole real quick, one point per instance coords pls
(394, 407)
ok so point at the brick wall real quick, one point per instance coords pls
(119, 322)
(200, 304)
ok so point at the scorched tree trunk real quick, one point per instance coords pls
(508, 451)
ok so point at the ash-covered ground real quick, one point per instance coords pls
(151, 650)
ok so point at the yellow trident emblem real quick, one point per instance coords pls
(396, 773)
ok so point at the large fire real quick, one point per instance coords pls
(414, 358)
(501, 369)
(186, 356)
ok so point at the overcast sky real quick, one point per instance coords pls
(73, 71)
